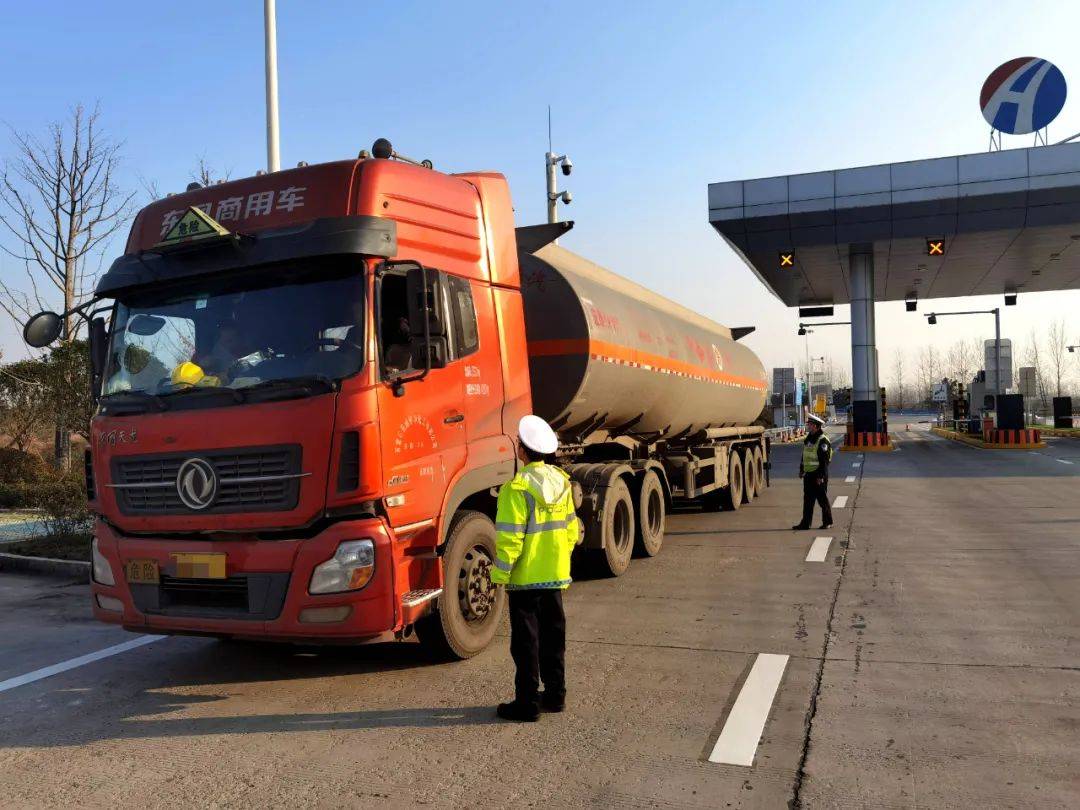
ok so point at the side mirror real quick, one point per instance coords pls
(99, 344)
(425, 291)
(43, 329)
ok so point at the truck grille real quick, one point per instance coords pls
(254, 479)
(248, 597)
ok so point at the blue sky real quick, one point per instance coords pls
(652, 102)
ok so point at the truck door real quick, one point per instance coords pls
(422, 414)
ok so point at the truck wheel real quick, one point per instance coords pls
(470, 607)
(617, 529)
(749, 475)
(651, 515)
(731, 498)
(759, 469)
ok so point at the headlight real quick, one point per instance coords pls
(350, 569)
(103, 574)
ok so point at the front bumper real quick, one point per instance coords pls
(264, 594)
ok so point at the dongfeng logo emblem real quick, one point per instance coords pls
(196, 483)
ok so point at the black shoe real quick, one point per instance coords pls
(798, 527)
(551, 705)
(518, 712)
(825, 526)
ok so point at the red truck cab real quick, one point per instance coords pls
(302, 417)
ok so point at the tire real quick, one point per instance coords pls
(448, 632)
(617, 527)
(759, 469)
(750, 485)
(651, 516)
(732, 495)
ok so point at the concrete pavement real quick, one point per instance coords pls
(933, 661)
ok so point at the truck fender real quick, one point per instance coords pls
(478, 482)
(595, 480)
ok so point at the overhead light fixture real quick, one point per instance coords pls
(802, 331)
(931, 319)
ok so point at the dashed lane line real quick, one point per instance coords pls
(819, 549)
(739, 738)
(856, 464)
(840, 502)
(850, 479)
(1062, 461)
(82, 660)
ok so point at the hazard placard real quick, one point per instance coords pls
(194, 224)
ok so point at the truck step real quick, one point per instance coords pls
(418, 597)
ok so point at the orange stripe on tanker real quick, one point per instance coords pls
(624, 355)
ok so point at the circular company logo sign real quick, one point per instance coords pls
(196, 483)
(1023, 95)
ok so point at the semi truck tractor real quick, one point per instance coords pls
(307, 389)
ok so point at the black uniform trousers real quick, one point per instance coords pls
(813, 491)
(538, 644)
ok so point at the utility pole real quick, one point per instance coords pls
(273, 154)
(551, 160)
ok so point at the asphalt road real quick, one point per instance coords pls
(930, 658)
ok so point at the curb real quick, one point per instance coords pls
(973, 441)
(44, 565)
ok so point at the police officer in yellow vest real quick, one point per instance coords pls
(537, 531)
(814, 471)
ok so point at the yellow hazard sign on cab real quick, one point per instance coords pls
(193, 225)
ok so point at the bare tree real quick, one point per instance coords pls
(207, 175)
(60, 202)
(1034, 358)
(928, 372)
(1057, 358)
(898, 378)
(963, 360)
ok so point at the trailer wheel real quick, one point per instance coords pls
(617, 529)
(470, 607)
(651, 515)
(731, 498)
(759, 469)
(750, 485)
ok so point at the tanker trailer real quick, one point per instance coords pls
(653, 402)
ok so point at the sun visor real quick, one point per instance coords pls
(327, 236)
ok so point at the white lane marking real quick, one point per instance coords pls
(856, 464)
(64, 666)
(850, 479)
(1062, 461)
(738, 740)
(840, 502)
(819, 549)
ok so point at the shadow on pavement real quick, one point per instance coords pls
(137, 716)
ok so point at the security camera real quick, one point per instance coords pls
(567, 197)
(567, 166)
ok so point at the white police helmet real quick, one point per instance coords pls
(537, 435)
(815, 418)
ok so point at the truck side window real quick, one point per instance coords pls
(466, 339)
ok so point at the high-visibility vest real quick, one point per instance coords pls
(537, 529)
(810, 453)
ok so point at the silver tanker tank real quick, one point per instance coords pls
(608, 354)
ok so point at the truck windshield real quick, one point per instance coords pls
(302, 321)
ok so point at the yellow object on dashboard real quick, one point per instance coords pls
(187, 373)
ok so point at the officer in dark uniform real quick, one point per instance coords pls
(814, 471)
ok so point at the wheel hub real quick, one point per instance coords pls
(476, 591)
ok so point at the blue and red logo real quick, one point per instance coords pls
(1023, 96)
